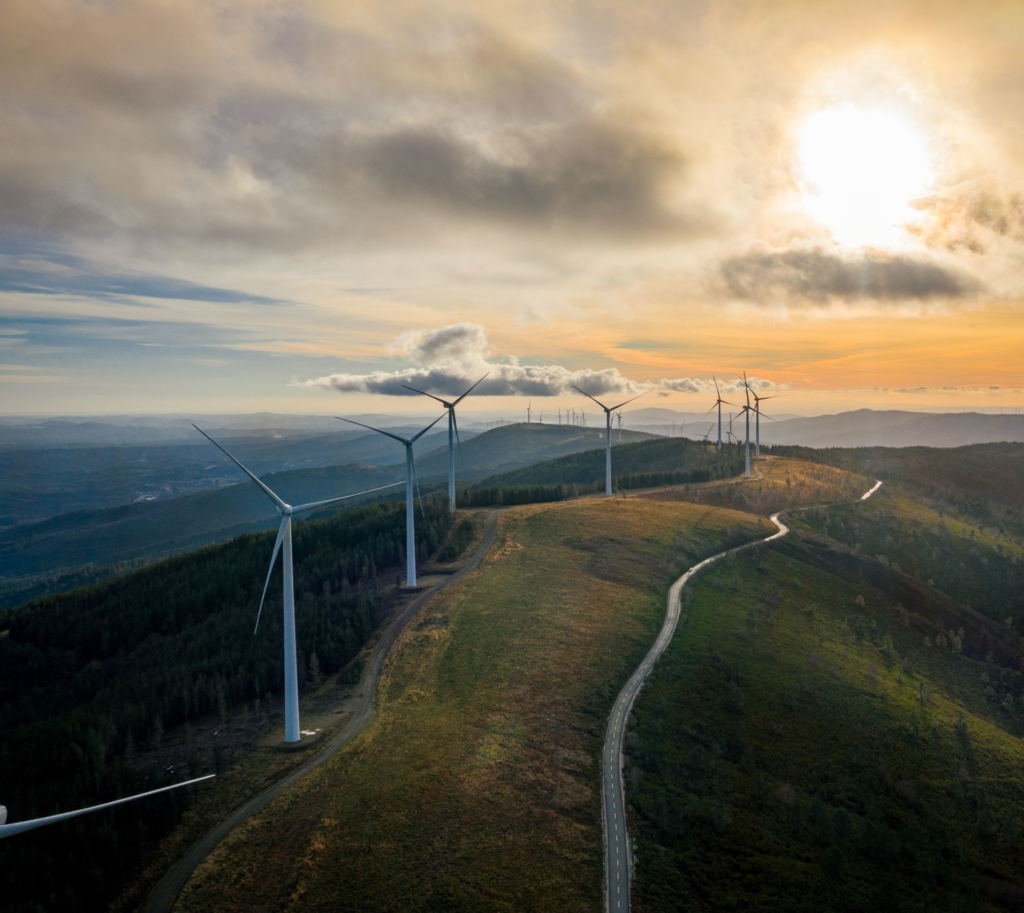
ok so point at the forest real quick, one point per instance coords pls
(91, 678)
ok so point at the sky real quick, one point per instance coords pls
(241, 206)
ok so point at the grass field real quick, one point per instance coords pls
(776, 483)
(477, 785)
(802, 747)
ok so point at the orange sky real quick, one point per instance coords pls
(243, 206)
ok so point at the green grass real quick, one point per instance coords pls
(477, 786)
(799, 748)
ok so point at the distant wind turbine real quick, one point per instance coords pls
(19, 827)
(528, 406)
(757, 420)
(453, 425)
(746, 410)
(707, 434)
(410, 481)
(718, 403)
(284, 536)
(608, 437)
(618, 415)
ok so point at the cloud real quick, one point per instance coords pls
(448, 360)
(819, 276)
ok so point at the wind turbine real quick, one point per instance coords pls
(528, 405)
(19, 827)
(284, 536)
(746, 410)
(707, 434)
(410, 481)
(608, 428)
(619, 416)
(718, 403)
(757, 421)
(453, 425)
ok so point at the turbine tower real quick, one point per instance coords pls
(746, 410)
(757, 421)
(453, 425)
(608, 428)
(410, 481)
(528, 405)
(19, 827)
(284, 536)
(718, 403)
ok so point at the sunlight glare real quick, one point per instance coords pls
(862, 169)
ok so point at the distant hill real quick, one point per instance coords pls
(67, 543)
(38, 482)
(860, 428)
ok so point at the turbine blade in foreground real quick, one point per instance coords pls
(416, 437)
(281, 505)
(419, 497)
(471, 389)
(19, 827)
(401, 440)
(270, 570)
(455, 424)
(628, 401)
(588, 396)
(369, 491)
(431, 395)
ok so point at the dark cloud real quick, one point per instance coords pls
(820, 276)
(317, 133)
(585, 176)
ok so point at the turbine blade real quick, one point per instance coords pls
(455, 423)
(423, 393)
(746, 387)
(588, 396)
(471, 389)
(378, 430)
(270, 570)
(268, 492)
(369, 491)
(416, 437)
(419, 497)
(18, 827)
(628, 401)
(718, 392)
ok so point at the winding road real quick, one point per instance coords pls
(166, 892)
(618, 858)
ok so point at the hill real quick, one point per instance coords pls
(481, 768)
(91, 681)
(83, 546)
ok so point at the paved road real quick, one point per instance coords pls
(169, 887)
(618, 859)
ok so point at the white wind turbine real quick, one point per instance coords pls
(608, 436)
(19, 827)
(746, 410)
(284, 537)
(453, 425)
(718, 404)
(410, 481)
(757, 421)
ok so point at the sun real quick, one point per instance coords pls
(862, 169)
